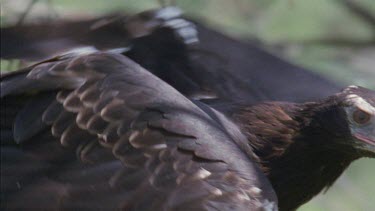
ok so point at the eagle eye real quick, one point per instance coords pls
(361, 117)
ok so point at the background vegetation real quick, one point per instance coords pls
(327, 36)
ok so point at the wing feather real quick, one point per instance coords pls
(143, 145)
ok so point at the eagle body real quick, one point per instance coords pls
(148, 128)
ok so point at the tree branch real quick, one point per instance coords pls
(360, 12)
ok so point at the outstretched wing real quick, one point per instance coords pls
(98, 131)
(216, 67)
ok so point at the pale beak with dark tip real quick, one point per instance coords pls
(361, 115)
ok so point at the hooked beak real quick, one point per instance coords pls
(365, 138)
(367, 143)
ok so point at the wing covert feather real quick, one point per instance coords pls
(158, 149)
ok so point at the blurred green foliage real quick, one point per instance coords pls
(9, 65)
(293, 29)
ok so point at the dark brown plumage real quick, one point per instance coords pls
(140, 144)
(107, 110)
(304, 148)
